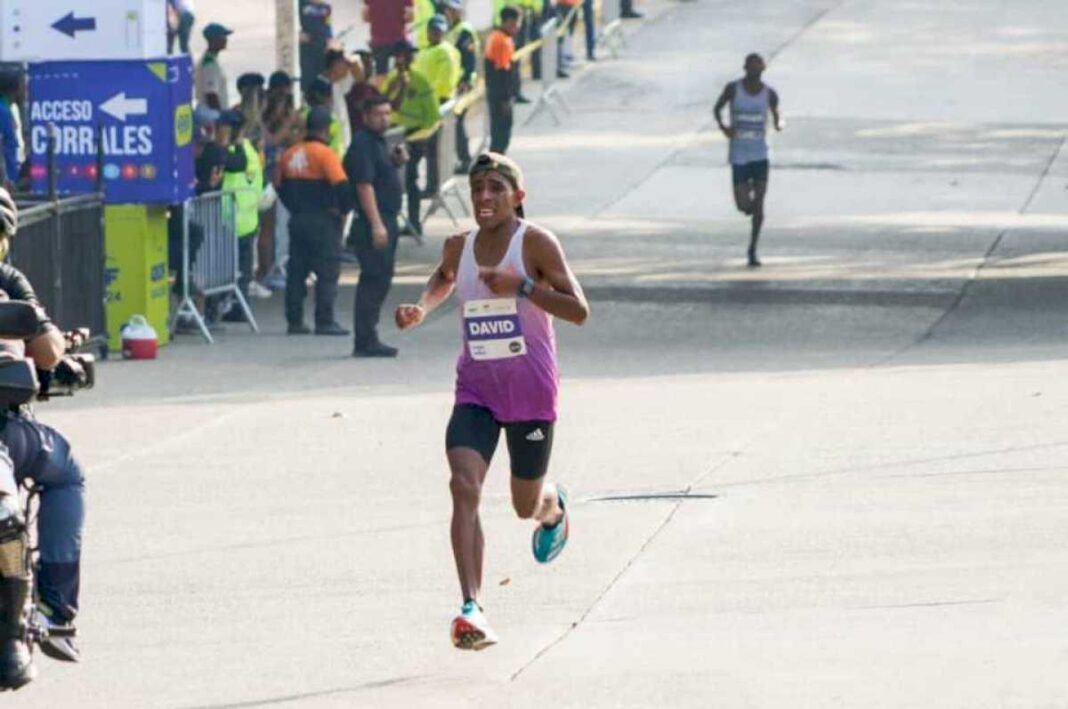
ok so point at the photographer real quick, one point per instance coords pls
(31, 450)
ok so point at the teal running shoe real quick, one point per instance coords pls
(470, 630)
(548, 542)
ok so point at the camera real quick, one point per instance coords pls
(20, 381)
(75, 371)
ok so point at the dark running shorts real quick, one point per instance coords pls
(530, 443)
(750, 172)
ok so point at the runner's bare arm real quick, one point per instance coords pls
(721, 103)
(556, 290)
(773, 104)
(438, 288)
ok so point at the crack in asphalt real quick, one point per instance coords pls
(977, 272)
(680, 500)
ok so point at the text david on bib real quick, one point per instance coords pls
(492, 329)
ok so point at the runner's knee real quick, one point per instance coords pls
(465, 489)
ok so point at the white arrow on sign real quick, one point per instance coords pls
(118, 106)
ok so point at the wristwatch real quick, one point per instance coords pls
(526, 287)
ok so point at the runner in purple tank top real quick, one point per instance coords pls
(511, 279)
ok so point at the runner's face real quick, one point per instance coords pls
(754, 68)
(494, 199)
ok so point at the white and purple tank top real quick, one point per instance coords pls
(508, 362)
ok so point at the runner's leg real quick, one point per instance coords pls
(760, 190)
(470, 442)
(530, 446)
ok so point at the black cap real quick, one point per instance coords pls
(319, 118)
(279, 80)
(214, 30)
(250, 79)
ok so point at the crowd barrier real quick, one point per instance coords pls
(209, 267)
(610, 33)
(60, 248)
(552, 32)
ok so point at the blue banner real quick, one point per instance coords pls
(141, 112)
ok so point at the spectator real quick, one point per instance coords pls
(211, 154)
(388, 19)
(340, 72)
(372, 169)
(501, 73)
(321, 93)
(589, 25)
(10, 126)
(211, 88)
(282, 129)
(243, 177)
(180, 20)
(415, 108)
(250, 89)
(362, 90)
(316, 31)
(312, 186)
(463, 36)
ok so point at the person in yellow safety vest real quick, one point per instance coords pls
(415, 108)
(424, 11)
(321, 93)
(464, 37)
(243, 176)
(440, 61)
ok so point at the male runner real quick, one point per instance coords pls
(751, 100)
(511, 278)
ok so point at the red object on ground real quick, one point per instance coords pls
(139, 340)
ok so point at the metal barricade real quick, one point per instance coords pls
(447, 183)
(611, 30)
(209, 257)
(60, 249)
(551, 98)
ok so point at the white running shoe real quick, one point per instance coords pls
(471, 630)
(257, 290)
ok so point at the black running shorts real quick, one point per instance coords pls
(750, 172)
(530, 443)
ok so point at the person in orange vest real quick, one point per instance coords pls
(501, 84)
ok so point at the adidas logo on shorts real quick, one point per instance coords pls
(536, 435)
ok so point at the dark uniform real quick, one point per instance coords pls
(29, 449)
(312, 186)
(501, 88)
(369, 161)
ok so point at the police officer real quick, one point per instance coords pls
(243, 177)
(29, 449)
(372, 169)
(313, 187)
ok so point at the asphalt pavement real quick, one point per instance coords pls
(838, 480)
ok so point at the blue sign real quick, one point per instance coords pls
(140, 112)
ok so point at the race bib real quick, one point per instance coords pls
(492, 329)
